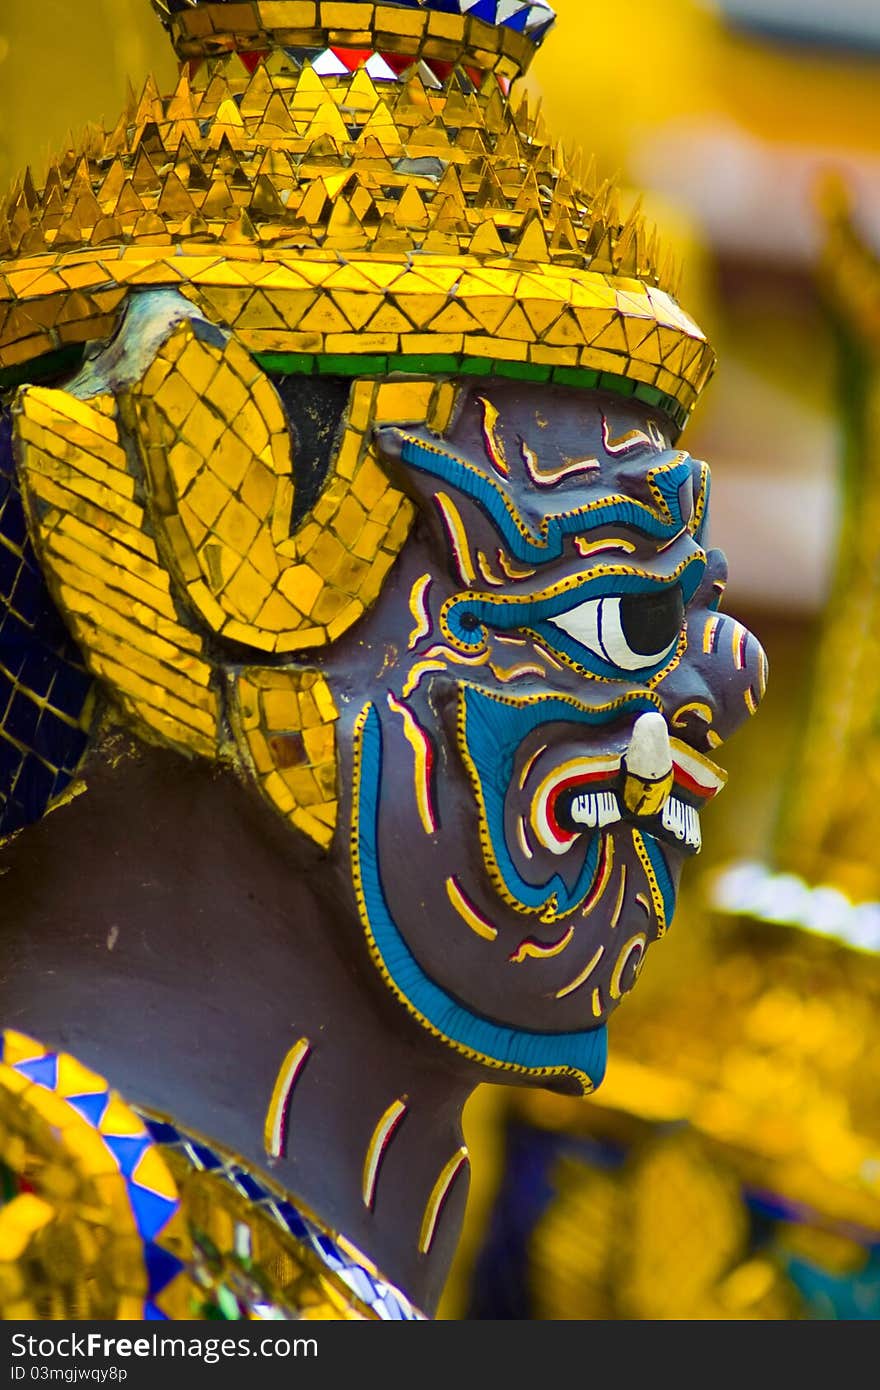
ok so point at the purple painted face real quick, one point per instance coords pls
(531, 765)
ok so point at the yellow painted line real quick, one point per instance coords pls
(382, 1135)
(468, 912)
(583, 976)
(439, 1193)
(639, 943)
(587, 548)
(419, 611)
(421, 747)
(457, 537)
(618, 906)
(275, 1127)
(538, 951)
(420, 669)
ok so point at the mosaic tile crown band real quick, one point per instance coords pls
(211, 25)
(354, 201)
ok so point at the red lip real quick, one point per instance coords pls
(569, 784)
(683, 781)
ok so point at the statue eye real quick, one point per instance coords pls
(630, 631)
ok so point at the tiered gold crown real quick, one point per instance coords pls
(348, 187)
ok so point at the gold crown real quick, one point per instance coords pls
(348, 187)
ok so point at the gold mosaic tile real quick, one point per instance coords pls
(114, 1213)
(223, 490)
(104, 568)
(283, 721)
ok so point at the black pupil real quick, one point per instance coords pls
(651, 622)
(470, 622)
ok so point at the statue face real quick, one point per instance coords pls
(530, 710)
(496, 722)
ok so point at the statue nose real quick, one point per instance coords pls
(732, 666)
(719, 682)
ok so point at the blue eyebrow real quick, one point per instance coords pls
(529, 545)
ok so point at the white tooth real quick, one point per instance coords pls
(683, 821)
(672, 817)
(595, 809)
(585, 810)
(649, 755)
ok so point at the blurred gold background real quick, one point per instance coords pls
(725, 116)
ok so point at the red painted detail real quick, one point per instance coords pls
(353, 58)
(429, 777)
(598, 884)
(582, 779)
(690, 784)
(253, 58)
(399, 62)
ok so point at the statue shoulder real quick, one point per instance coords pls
(110, 1212)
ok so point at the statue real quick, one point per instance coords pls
(361, 656)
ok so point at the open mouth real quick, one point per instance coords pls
(494, 732)
(551, 774)
(655, 781)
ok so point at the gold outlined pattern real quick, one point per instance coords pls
(468, 913)
(439, 1193)
(277, 1115)
(381, 1138)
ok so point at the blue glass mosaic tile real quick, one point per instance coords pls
(162, 1132)
(44, 686)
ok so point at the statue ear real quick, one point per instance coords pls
(216, 447)
(158, 487)
(212, 437)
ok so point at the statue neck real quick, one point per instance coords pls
(164, 929)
